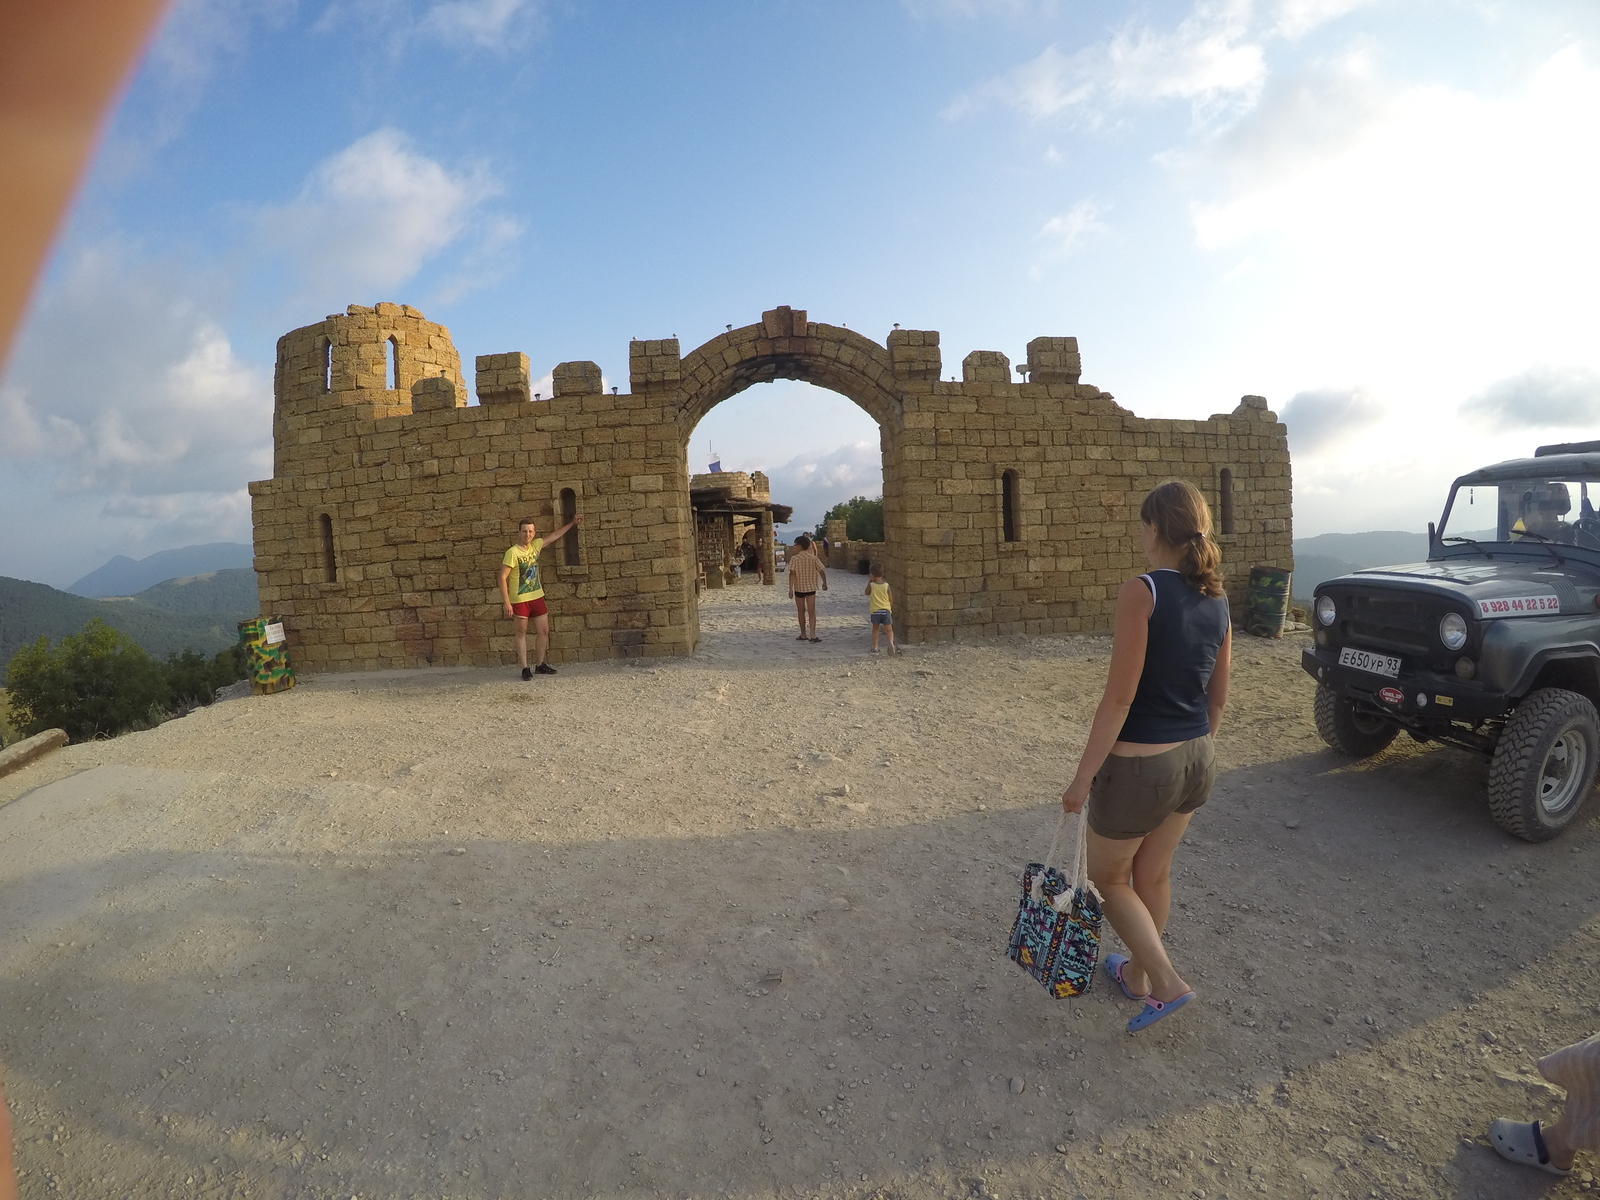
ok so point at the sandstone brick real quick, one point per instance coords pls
(424, 494)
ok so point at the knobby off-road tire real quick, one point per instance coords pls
(1544, 765)
(1347, 731)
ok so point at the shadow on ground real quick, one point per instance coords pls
(790, 1012)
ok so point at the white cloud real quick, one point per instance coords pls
(1296, 18)
(194, 41)
(1542, 397)
(1303, 117)
(486, 259)
(405, 26)
(1064, 235)
(1326, 417)
(199, 38)
(369, 217)
(196, 33)
(486, 24)
(126, 394)
(1210, 60)
(814, 483)
(1438, 235)
(1426, 239)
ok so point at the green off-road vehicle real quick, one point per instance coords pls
(1493, 644)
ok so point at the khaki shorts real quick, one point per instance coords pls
(1131, 797)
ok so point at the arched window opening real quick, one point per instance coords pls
(569, 510)
(1010, 507)
(327, 364)
(1225, 499)
(391, 370)
(330, 566)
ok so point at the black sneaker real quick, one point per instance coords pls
(544, 669)
(527, 673)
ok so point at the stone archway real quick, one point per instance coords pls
(785, 345)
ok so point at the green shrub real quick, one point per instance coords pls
(863, 519)
(8, 732)
(230, 665)
(99, 683)
(194, 680)
(189, 680)
(95, 683)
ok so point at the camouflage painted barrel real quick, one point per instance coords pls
(1266, 603)
(269, 656)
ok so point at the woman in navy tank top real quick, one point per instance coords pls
(1148, 764)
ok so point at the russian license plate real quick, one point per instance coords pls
(1365, 660)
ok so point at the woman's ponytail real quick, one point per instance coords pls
(1182, 520)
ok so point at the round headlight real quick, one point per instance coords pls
(1325, 610)
(1453, 631)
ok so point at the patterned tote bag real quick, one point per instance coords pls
(1056, 938)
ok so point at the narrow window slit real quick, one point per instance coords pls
(1009, 506)
(569, 542)
(330, 565)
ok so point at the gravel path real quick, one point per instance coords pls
(734, 925)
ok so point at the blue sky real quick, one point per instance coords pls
(1376, 213)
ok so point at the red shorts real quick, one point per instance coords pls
(530, 608)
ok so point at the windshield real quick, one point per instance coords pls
(1558, 511)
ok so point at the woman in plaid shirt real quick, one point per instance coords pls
(805, 572)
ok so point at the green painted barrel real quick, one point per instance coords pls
(1266, 603)
(269, 655)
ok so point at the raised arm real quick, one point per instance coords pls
(562, 532)
(1132, 634)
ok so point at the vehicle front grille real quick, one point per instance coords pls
(1396, 624)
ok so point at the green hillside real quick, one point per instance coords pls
(159, 619)
(1329, 555)
(216, 591)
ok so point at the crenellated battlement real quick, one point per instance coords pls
(1010, 493)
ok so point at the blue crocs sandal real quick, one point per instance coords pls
(1113, 964)
(1155, 1009)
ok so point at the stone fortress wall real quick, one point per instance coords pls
(1009, 507)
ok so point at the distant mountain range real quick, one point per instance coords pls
(198, 612)
(1329, 555)
(123, 576)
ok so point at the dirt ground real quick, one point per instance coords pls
(734, 925)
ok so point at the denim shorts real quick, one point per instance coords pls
(881, 617)
(1131, 797)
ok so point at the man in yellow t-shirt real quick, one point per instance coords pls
(527, 598)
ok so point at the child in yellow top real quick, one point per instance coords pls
(878, 608)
